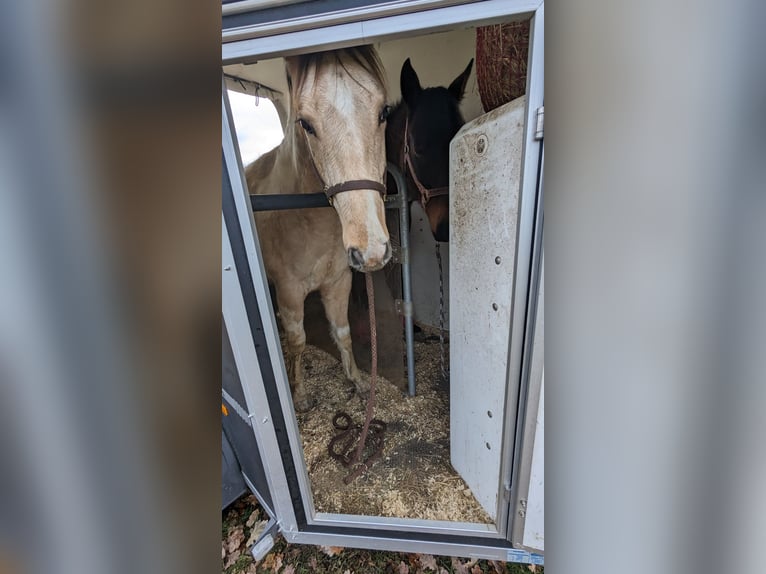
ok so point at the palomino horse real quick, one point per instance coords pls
(419, 131)
(335, 142)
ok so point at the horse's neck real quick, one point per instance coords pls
(296, 165)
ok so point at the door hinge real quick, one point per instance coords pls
(540, 123)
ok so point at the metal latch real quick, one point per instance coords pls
(540, 123)
(403, 308)
(265, 541)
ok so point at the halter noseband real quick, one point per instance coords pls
(352, 185)
(426, 193)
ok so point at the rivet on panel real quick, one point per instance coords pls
(481, 145)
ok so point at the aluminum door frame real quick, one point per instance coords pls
(298, 519)
(381, 24)
(530, 397)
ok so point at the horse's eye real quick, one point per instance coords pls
(306, 126)
(384, 114)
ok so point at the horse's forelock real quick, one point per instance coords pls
(364, 56)
(368, 59)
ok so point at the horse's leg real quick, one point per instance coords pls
(335, 300)
(290, 301)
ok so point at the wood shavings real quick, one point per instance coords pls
(414, 478)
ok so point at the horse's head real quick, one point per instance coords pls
(433, 120)
(338, 117)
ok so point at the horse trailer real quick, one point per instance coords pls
(461, 472)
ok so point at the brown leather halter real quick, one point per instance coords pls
(352, 185)
(426, 193)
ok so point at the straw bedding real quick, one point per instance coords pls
(414, 478)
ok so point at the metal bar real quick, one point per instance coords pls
(235, 7)
(278, 20)
(386, 523)
(531, 154)
(250, 43)
(277, 201)
(325, 17)
(404, 231)
(238, 303)
(415, 544)
(532, 373)
(237, 407)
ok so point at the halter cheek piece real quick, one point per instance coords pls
(352, 185)
(426, 193)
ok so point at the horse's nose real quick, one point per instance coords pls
(372, 260)
(355, 258)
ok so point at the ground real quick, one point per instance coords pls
(246, 516)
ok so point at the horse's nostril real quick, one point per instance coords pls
(387, 256)
(355, 257)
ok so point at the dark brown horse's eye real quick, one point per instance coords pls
(306, 126)
(384, 114)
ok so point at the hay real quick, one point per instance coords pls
(501, 63)
(414, 478)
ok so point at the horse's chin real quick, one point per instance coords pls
(369, 268)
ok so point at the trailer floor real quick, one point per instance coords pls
(414, 477)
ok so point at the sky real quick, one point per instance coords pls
(258, 127)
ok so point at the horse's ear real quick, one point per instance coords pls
(457, 87)
(410, 83)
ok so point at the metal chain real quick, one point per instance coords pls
(445, 374)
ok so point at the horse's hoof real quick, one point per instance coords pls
(362, 389)
(304, 405)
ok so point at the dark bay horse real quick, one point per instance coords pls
(420, 128)
(334, 141)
